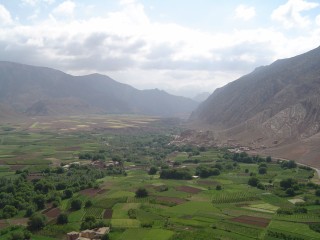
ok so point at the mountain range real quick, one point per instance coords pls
(275, 108)
(35, 91)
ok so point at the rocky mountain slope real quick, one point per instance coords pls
(271, 107)
(44, 91)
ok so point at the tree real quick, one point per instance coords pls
(30, 210)
(88, 204)
(287, 183)
(290, 192)
(262, 170)
(76, 204)
(62, 219)
(90, 222)
(218, 187)
(141, 193)
(17, 236)
(36, 222)
(9, 211)
(67, 193)
(288, 164)
(253, 181)
(153, 170)
(318, 192)
(40, 201)
(268, 159)
(105, 237)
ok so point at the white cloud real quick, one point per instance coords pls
(245, 12)
(5, 16)
(65, 9)
(289, 14)
(127, 2)
(318, 20)
(35, 2)
(130, 47)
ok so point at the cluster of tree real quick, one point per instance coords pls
(288, 164)
(15, 232)
(141, 193)
(281, 235)
(91, 222)
(245, 158)
(133, 148)
(21, 194)
(291, 211)
(62, 219)
(255, 182)
(205, 171)
(92, 156)
(290, 185)
(180, 174)
(262, 169)
(36, 222)
(315, 227)
(153, 170)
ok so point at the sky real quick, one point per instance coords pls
(182, 46)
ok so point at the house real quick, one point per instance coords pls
(88, 234)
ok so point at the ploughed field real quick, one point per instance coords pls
(196, 192)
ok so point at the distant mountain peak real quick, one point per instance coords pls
(44, 91)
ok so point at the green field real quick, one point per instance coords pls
(213, 201)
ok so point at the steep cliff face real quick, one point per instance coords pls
(280, 100)
(273, 106)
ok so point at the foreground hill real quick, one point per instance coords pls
(271, 107)
(44, 91)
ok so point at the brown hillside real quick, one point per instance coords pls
(275, 107)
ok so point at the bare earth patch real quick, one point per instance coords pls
(102, 191)
(91, 192)
(188, 189)
(52, 212)
(3, 224)
(296, 200)
(107, 214)
(256, 221)
(171, 200)
(19, 221)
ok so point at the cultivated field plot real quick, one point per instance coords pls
(256, 221)
(89, 123)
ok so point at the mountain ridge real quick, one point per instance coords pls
(37, 90)
(271, 107)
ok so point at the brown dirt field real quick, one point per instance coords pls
(91, 192)
(102, 191)
(188, 189)
(19, 221)
(3, 224)
(107, 214)
(171, 200)
(52, 212)
(256, 221)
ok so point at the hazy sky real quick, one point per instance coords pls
(182, 46)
